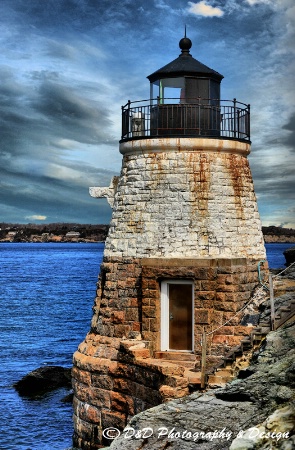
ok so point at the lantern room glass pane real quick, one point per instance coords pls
(168, 90)
(185, 90)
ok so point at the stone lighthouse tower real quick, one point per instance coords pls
(181, 254)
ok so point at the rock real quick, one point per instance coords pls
(289, 255)
(43, 379)
(266, 435)
(68, 398)
(221, 419)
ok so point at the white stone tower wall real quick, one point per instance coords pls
(189, 198)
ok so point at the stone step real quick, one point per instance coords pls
(237, 351)
(258, 336)
(175, 356)
(193, 377)
(170, 368)
(187, 364)
(141, 353)
(284, 309)
(229, 360)
(226, 363)
(286, 316)
(246, 343)
(224, 372)
(220, 365)
(256, 329)
(216, 380)
(265, 329)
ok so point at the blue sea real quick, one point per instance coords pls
(46, 294)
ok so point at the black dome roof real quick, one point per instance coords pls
(185, 64)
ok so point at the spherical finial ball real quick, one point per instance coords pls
(185, 44)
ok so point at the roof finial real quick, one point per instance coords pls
(185, 44)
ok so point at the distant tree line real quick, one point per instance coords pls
(278, 231)
(25, 231)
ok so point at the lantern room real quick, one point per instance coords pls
(185, 102)
(185, 80)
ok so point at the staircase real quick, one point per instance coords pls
(229, 366)
(284, 313)
(178, 368)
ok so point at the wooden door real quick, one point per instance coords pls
(177, 315)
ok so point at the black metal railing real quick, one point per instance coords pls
(195, 118)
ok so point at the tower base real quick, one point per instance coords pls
(122, 368)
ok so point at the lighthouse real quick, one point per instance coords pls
(181, 254)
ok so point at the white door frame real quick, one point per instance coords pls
(165, 313)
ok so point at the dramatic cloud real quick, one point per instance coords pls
(67, 66)
(205, 10)
(256, 2)
(290, 126)
(36, 217)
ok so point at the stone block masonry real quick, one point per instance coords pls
(198, 201)
(117, 369)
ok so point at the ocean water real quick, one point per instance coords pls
(275, 256)
(46, 294)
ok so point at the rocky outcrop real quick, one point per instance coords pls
(255, 411)
(289, 255)
(43, 380)
(266, 436)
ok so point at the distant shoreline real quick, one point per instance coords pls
(54, 232)
(88, 233)
(275, 240)
(52, 242)
(85, 241)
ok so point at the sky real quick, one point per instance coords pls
(67, 67)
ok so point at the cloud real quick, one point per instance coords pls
(257, 2)
(61, 50)
(290, 126)
(74, 116)
(67, 66)
(36, 217)
(162, 5)
(54, 141)
(205, 10)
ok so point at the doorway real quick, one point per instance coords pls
(177, 308)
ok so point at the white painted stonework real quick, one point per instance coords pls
(174, 144)
(105, 192)
(184, 197)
